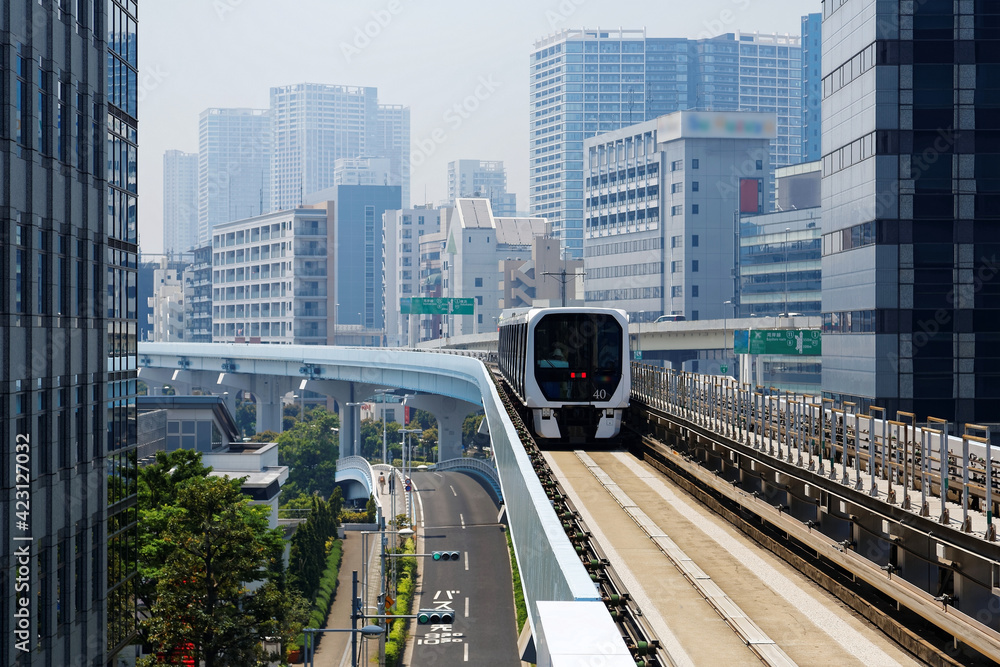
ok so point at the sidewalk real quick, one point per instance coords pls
(335, 647)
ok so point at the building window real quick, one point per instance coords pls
(694, 315)
(479, 300)
(694, 266)
(694, 163)
(694, 186)
(675, 267)
(676, 290)
(760, 165)
(694, 290)
(676, 210)
(694, 240)
(676, 187)
(676, 241)
(479, 282)
(677, 165)
(694, 209)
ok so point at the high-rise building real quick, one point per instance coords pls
(812, 86)
(482, 178)
(180, 201)
(780, 254)
(588, 82)
(393, 141)
(911, 304)
(662, 203)
(358, 256)
(316, 124)
(234, 167)
(477, 242)
(67, 376)
(273, 278)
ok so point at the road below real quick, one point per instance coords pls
(456, 513)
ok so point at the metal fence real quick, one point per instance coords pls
(886, 457)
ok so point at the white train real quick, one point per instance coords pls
(570, 369)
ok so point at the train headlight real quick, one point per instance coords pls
(546, 413)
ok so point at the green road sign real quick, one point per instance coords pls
(795, 342)
(723, 368)
(638, 355)
(437, 306)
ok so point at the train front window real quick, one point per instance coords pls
(578, 356)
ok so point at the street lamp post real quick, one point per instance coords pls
(369, 631)
(302, 407)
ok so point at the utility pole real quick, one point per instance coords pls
(562, 277)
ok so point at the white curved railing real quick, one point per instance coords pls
(362, 465)
(486, 470)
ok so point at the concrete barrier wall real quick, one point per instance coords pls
(549, 566)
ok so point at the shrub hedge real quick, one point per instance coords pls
(324, 596)
(407, 571)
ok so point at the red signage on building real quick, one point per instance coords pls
(749, 195)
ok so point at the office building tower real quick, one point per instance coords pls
(180, 202)
(662, 206)
(404, 230)
(812, 86)
(234, 167)
(316, 124)
(273, 279)
(477, 243)
(588, 82)
(392, 141)
(780, 254)
(910, 208)
(482, 178)
(68, 325)
(358, 251)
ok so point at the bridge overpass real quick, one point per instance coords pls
(450, 386)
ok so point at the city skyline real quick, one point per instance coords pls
(489, 86)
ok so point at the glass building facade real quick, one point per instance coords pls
(812, 86)
(911, 197)
(68, 310)
(589, 82)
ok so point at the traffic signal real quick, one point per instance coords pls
(445, 555)
(436, 616)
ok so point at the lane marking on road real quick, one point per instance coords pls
(466, 653)
(466, 607)
(420, 502)
(466, 564)
(453, 491)
(462, 519)
(679, 657)
(815, 610)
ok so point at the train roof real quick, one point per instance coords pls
(517, 315)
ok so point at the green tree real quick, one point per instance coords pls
(158, 488)
(246, 417)
(310, 449)
(308, 554)
(216, 543)
(470, 430)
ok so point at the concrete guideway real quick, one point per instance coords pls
(861, 491)
(776, 614)
(550, 569)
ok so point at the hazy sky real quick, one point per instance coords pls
(430, 56)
